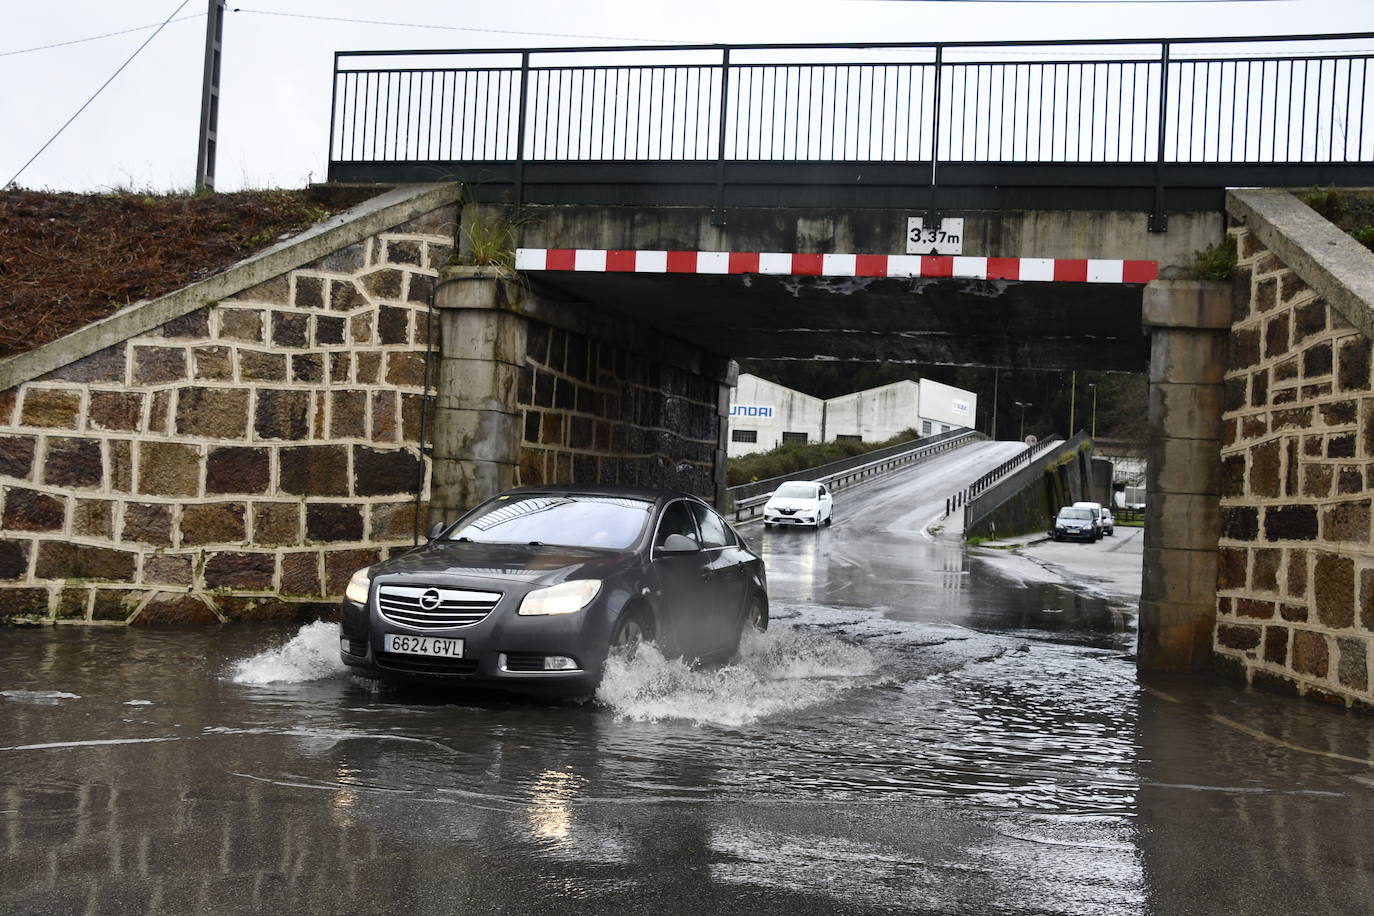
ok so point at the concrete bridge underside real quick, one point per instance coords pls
(961, 322)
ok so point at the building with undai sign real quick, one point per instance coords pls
(764, 414)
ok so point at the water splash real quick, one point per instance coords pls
(311, 654)
(780, 671)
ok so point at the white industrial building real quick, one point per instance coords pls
(764, 414)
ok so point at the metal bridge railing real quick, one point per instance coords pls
(747, 499)
(977, 509)
(968, 493)
(1274, 99)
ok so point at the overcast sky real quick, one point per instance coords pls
(141, 132)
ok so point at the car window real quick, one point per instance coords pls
(796, 491)
(677, 519)
(565, 520)
(823, 492)
(1067, 512)
(713, 529)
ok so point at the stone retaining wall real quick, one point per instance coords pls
(239, 462)
(596, 413)
(1295, 582)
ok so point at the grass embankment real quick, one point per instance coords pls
(794, 456)
(67, 260)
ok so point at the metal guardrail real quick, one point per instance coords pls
(958, 500)
(1154, 102)
(987, 502)
(746, 506)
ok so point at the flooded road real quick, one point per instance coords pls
(919, 731)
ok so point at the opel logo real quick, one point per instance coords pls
(430, 599)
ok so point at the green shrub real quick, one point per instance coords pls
(791, 457)
(1215, 262)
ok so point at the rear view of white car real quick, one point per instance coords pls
(799, 502)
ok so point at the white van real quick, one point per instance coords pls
(1102, 518)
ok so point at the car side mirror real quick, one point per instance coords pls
(679, 543)
(436, 529)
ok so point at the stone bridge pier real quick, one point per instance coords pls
(1189, 326)
(534, 390)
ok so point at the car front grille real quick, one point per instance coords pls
(419, 664)
(433, 608)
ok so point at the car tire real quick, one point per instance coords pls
(756, 618)
(828, 519)
(768, 524)
(631, 631)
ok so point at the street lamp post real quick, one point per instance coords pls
(1023, 405)
(1093, 426)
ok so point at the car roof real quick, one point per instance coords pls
(649, 494)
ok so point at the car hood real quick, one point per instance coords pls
(537, 565)
(776, 503)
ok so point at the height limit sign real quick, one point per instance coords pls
(947, 238)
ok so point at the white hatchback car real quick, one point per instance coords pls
(799, 502)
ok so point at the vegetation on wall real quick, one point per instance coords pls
(1351, 209)
(1215, 262)
(791, 457)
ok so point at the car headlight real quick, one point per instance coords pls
(563, 598)
(358, 585)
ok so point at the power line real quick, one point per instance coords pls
(77, 41)
(447, 28)
(107, 82)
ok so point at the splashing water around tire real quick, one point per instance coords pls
(779, 671)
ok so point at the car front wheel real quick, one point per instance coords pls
(630, 633)
(757, 618)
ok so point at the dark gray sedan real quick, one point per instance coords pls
(533, 589)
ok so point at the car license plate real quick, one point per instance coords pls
(423, 645)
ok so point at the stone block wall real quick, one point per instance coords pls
(1295, 581)
(595, 412)
(239, 462)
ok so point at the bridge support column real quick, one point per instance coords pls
(1189, 324)
(478, 420)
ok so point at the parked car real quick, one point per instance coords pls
(535, 588)
(799, 502)
(1103, 518)
(1108, 522)
(1075, 523)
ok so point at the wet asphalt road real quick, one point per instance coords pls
(917, 733)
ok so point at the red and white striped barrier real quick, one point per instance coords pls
(1070, 270)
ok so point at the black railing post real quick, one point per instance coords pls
(718, 217)
(932, 213)
(520, 130)
(333, 114)
(1159, 220)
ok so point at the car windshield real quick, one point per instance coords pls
(605, 522)
(1076, 513)
(796, 490)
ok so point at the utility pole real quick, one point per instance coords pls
(1023, 405)
(995, 373)
(1073, 397)
(209, 97)
(1093, 427)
